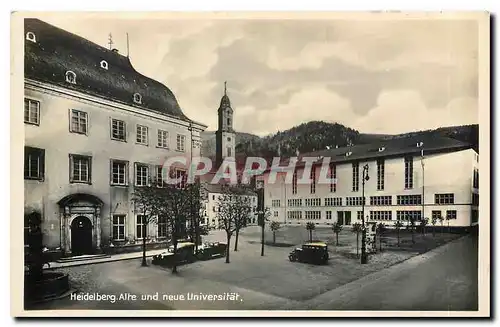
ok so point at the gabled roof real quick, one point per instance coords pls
(57, 51)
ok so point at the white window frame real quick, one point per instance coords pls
(143, 218)
(30, 36)
(72, 161)
(32, 154)
(104, 64)
(119, 225)
(180, 143)
(28, 107)
(80, 115)
(163, 223)
(115, 126)
(142, 134)
(71, 77)
(112, 172)
(137, 98)
(163, 135)
(136, 171)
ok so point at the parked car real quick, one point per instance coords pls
(315, 253)
(185, 254)
(208, 251)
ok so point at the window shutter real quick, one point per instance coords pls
(42, 164)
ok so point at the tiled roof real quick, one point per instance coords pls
(57, 51)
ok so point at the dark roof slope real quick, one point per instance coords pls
(57, 51)
(387, 149)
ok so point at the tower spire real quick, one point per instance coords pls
(110, 41)
(225, 87)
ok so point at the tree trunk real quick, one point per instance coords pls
(274, 237)
(144, 263)
(262, 241)
(236, 241)
(337, 234)
(357, 244)
(398, 237)
(174, 239)
(380, 241)
(310, 235)
(228, 247)
(412, 235)
(433, 230)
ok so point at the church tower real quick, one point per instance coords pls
(224, 136)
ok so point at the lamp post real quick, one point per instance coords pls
(363, 233)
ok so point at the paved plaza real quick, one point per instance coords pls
(273, 282)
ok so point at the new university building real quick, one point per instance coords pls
(419, 177)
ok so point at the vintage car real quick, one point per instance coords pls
(315, 253)
(185, 254)
(208, 251)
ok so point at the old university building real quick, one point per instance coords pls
(419, 177)
(95, 129)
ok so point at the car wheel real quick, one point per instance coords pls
(291, 258)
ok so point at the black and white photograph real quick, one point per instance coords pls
(277, 164)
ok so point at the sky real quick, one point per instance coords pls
(374, 75)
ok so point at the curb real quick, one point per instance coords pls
(97, 261)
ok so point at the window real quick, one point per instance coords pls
(380, 174)
(356, 201)
(80, 169)
(385, 200)
(414, 199)
(181, 142)
(328, 215)
(34, 163)
(118, 227)
(119, 172)
(447, 198)
(294, 182)
(229, 154)
(137, 98)
(30, 36)
(104, 64)
(313, 215)
(380, 215)
(275, 203)
(162, 139)
(294, 214)
(141, 224)
(313, 180)
(276, 214)
(142, 135)
(294, 202)
(333, 202)
(313, 202)
(451, 214)
(360, 215)
(407, 215)
(409, 172)
(355, 177)
(162, 226)
(79, 122)
(436, 214)
(333, 175)
(118, 130)
(71, 77)
(228, 122)
(31, 112)
(160, 176)
(475, 178)
(182, 174)
(141, 174)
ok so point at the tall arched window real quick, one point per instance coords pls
(70, 77)
(137, 98)
(30, 36)
(104, 64)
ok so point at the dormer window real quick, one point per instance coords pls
(420, 144)
(348, 154)
(137, 98)
(70, 77)
(104, 64)
(381, 149)
(30, 36)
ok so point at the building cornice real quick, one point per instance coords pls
(86, 98)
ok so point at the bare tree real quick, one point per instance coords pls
(275, 226)
(357, 228)
(397, 225)
(263, 218)
(337, 228)
(380, 230)
(310, 226)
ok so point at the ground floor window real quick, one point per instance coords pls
(162, 227)
(451, 214)
(118, 227)
(141, 221)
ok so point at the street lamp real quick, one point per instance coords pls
(363, 233)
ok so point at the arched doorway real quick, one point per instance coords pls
(81, 236)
